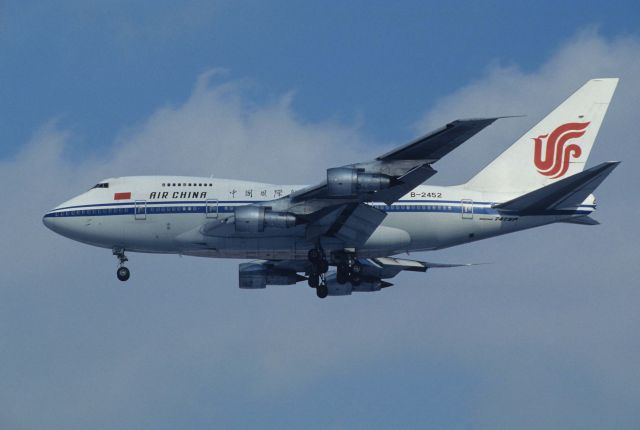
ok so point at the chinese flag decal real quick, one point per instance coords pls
(121, 196)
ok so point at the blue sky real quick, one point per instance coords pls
(102, 66)
(545, 337)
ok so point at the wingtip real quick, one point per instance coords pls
(606, 165)
(490, 119)
(511, 116)
(611, 164)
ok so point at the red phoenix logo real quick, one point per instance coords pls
(555, 160)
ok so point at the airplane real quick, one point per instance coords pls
(361, 216)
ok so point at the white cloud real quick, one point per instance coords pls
(545, 336)
(509, 90)
(218, 131)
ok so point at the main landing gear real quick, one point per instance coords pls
(123, 272)
(319, 266)
(349, 271)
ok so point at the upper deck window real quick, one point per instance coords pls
(102, 185)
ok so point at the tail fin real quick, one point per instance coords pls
(556, 147)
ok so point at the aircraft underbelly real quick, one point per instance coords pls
(399, 232)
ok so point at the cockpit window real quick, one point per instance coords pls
(102, 185)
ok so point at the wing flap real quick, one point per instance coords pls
(390, 267)
(358, 225)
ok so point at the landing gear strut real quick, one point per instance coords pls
(319, 266)
(122, 273)
(342, 274)
(314, 280)
(318, 261)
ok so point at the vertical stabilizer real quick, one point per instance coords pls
(555, 148)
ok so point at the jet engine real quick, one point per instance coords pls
(253, 219)
(349, 182)
(259, 275)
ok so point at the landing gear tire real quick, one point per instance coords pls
(356, 268)
(355, 280)
(123, 273)
(342, 274)
(322, 291)
(314, 280)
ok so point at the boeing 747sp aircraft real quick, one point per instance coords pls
(361, 215)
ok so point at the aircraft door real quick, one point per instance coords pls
(467, 209)
(211, 208)
(140, 210)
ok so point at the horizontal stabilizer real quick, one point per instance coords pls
(566, 193)
(583, 220)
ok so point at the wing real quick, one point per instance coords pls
(337, 208)
(374, 271)
(400, 170)
(435, 145)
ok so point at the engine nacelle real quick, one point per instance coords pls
(258, 275)
(254, 219)
(349, 182)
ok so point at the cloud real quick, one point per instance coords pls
(544, 337)
(66, 359)
(574, 345)
(218, 131)
(510, 90)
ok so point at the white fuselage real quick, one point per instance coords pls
(164, 214)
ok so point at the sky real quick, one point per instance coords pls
(544, 337)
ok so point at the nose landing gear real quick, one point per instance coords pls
(123, 272)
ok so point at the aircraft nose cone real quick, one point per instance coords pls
(48, 221)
